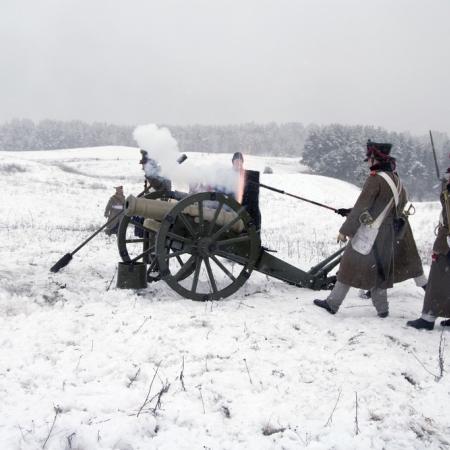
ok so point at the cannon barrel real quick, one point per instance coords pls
(157, 210)
(152, 209)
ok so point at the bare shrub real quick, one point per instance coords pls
(268, 429)
(97, 186)
(11, 168)
(69, 169)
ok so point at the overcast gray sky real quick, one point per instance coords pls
(375, 62)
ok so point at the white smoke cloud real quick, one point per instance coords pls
(162, 147)
(159, 144)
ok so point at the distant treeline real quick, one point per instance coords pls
(338, 151)
(331, 150)
(24, 134)
(257, 139)
(286, 139)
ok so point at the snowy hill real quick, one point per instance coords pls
(263, 369)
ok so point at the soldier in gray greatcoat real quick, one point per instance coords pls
(407, 262)
(437, 296)
(375, 270)
(113, 209)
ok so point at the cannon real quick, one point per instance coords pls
(205, 245)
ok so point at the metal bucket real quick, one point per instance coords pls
(132, 276)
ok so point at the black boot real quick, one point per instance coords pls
(420, 324)
(323, 304)
(445, 323)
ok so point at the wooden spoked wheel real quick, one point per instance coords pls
(200, 258)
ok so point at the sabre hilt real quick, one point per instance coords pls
(410, 211)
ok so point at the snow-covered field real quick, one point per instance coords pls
(263, 369)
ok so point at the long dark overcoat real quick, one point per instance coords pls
(437, 295)
(375, 269)
(407, 262)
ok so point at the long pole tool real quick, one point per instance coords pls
(270, 188)
(68, 256)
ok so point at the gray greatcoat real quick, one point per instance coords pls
(437, 295)
(375, 269)
(407, 262)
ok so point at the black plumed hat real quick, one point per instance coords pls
(378, 150)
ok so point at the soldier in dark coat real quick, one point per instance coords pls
(113, 209)
(437, 296)
(374, 271)
(407, 262)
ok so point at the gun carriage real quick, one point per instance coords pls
(205, 246)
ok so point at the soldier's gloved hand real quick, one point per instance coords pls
(341, 238)
(344, 212)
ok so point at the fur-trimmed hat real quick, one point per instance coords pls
(378, 150)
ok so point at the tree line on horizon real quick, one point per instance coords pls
(285, 139)
(338, 151)
(332, 150)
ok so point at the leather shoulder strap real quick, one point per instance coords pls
(396, 190)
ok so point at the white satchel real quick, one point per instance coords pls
(363, 240)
